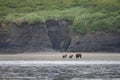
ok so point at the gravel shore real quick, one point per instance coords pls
(58, 56)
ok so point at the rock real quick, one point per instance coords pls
(97, 42)
(34, 37)
(53, 35)
(28, 37)
(59, 33)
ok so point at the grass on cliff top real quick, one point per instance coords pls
(87, 15)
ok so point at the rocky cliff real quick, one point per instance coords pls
(53, 35)
(96, 42)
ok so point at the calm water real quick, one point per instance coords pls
(60, 70)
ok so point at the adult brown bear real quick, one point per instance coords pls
(78, 55)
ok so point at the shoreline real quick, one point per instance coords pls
(57, 56)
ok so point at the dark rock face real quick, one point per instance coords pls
(98, 42)
(27, 37)
(54, 35)
(3, 37)
(59, 33)
(36, 37)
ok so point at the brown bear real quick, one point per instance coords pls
(78, 55)
(64, 56)
(70, 56)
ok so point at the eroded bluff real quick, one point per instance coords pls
(53, 35)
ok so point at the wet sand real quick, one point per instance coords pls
(57, 56)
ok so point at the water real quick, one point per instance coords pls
(60, 70)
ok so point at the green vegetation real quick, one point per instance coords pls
(87, 15)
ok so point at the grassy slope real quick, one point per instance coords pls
(87, 15)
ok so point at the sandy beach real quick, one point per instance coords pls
(58, 56)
